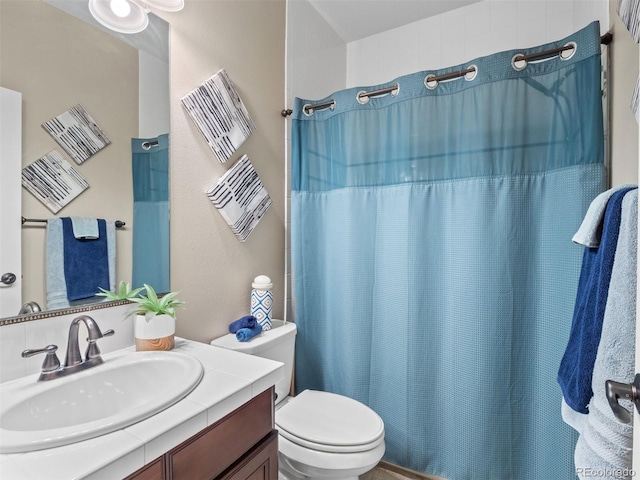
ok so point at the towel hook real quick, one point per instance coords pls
(625, 391)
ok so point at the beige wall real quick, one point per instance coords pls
(211, 269)
(57, 61)
(624, 128)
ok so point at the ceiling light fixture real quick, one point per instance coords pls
(129, 16)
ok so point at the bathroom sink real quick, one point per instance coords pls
(125, 389)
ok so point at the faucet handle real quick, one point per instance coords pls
(51, 362)
(108, 333)
(92, 348)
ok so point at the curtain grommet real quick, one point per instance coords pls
(470, 76)
(430, 83)
(518, 62)
(362, 97)
(567, 54)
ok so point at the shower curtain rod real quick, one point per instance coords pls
(308, 109)
(119, 224)
(361, 95)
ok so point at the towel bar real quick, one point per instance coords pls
(119, 223)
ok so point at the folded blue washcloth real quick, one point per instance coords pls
(246, 334)
(248, 321)
(576, 368)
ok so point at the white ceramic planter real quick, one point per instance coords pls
(157, 333)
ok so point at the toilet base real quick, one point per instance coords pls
(287, 472)
(299, 463)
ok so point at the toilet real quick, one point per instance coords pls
(321, 434)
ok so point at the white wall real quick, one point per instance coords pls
(316, 66)
(624, 128)
(210, 268)
(153, 94)
(461, 35)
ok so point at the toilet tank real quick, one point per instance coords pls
(275, 344)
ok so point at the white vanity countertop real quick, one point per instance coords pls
(230, 380)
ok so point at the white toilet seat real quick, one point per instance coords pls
(327, 422)
(318, 464)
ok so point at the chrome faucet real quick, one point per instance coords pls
(73, 362)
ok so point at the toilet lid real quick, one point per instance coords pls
(329, 422)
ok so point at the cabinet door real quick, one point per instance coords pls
(153, 471)
(209, 453)
(259, 464)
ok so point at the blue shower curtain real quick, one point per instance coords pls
(150, 165)
(434, 273)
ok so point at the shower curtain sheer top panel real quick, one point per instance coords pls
(523, 118)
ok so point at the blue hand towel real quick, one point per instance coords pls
(248, 321)
(590, 230)
(56, 286)
(576, 368)
(85, 228)
(246, 334)
(86, 262)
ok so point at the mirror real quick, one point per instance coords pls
(57, 56)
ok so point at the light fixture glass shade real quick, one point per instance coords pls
(135, 22)
(167, 5)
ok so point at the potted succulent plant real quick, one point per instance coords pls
(123, 292)
(155, 320)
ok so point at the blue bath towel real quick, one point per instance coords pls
(86, 262)
(248, 321)
(576, 368)
(606, 443)
(246, 334)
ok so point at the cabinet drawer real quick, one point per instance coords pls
(210, 452)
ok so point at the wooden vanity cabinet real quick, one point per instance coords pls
(242, 445)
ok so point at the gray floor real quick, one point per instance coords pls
(388, 472)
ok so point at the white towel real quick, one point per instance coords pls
(590, 230)
(572, 418)
(605, 443)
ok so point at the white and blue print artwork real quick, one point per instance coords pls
(219, 113)
(77, 133)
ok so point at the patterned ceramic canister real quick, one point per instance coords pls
(262, 300)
